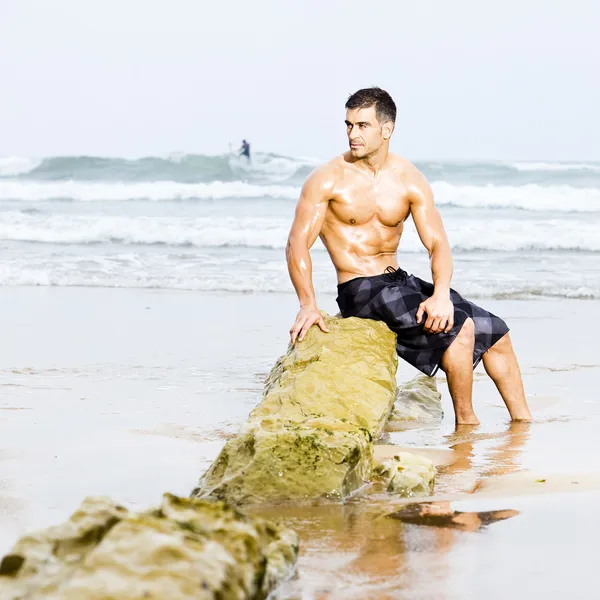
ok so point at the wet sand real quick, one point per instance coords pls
(131, 393)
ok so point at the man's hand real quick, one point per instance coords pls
(440, 313)
(306, 317)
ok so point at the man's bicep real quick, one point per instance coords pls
(425, 214)
(310, 211)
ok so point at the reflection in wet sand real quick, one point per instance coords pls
(374, 556)
(497, 454)
(367, 552)
(441, 514)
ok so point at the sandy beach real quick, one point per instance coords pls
(131, 393)
(163, 166)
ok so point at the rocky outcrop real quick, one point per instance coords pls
(183, 550)
(418, 400)
(406, 475)
(311, 435)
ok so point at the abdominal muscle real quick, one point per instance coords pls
(361, 251)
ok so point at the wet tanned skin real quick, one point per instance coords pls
(357, 205)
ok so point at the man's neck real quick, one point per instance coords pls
(375, 162)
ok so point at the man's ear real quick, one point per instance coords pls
(387, 130)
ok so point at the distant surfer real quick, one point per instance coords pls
(357, 204)
(245, 149)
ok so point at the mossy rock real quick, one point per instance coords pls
(311, 435)
(185, 549)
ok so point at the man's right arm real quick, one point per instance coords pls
(310, 215)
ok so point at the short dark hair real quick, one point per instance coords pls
(385, 107)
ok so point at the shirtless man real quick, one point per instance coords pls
(357, 204)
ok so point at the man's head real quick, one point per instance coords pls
(370, 119)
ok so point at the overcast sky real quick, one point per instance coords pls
(472, 79)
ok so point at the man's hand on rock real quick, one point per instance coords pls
(306, 317)
(440, 314)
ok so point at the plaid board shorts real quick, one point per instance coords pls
(394, 297)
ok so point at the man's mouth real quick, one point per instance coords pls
(355, 145)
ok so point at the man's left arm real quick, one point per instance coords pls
(439, 308)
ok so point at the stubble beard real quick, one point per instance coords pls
(360, 152)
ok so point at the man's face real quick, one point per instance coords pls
(365, 133)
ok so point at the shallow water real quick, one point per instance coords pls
(358, 550)
(131, 393)
(207, 223)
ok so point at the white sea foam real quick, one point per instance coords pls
(34, 191)
(213, 224)
(139, 272)
(267, 167)
(555, 166)
(502, 235)
(532, 197)
(512, 235)
(560, 198)
(17, 165)
(172, 231)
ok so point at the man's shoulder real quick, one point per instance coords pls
(335, 165)
(326, 174)
(409, 172)
(402, 164)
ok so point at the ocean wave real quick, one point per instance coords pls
(132, 273)
(555, 166)
(32, 191)
(17, 165)
(466, 235)
(526, 291)
(267, 168)
(179, 167)
(208, 232)
(531, 197)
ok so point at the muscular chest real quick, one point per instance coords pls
(361, 202)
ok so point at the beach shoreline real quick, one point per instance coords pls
(131, 393)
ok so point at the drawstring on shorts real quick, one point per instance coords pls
(396, 274)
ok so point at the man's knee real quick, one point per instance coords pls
(466, 335)
(502, 345)
(463, 343)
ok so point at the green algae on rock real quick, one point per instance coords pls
(407, 475)
(185, 549)
(311, 435)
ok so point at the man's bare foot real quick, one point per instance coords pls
(528, 419)
(467, 420)
(520, 412)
